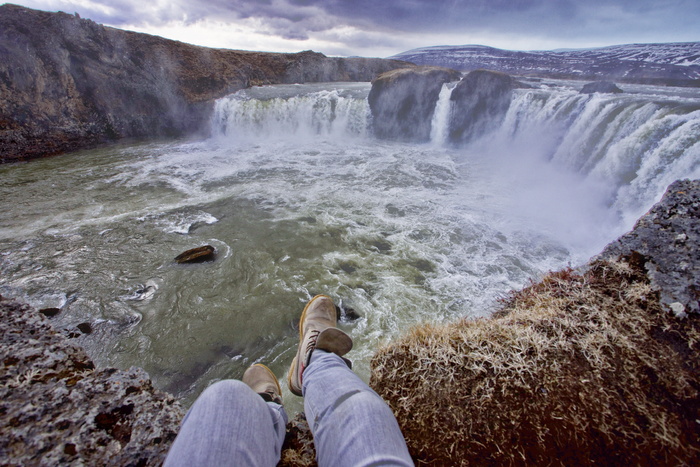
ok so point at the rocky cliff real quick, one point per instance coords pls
(403, 101)
(590, 366)
(68, 83)
(480, 102)
(56, 408)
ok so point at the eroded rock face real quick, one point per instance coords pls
(607, 87)
(403, 102)
(666, 243)
(479, 102)
(68, 83)
(56, 408)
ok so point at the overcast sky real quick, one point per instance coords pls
(380, 28)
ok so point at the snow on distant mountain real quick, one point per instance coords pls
(676, 63)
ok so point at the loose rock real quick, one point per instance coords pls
(197, 255)
(606, 87)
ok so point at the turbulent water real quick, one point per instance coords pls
(298, 199)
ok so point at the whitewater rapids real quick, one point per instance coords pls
(298, 198)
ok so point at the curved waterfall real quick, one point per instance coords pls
(632, 145)
(290, 111)
(299, 198)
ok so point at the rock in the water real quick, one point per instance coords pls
(479, 103)
(606, 87)
(50, 312)
(403, 101)
(197, 255)
(666, 242)
(346, 314)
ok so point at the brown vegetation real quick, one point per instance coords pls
(579, 368)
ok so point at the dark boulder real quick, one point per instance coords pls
(665, 243)
(50, 312)
(479, 104)
(346, 314)
(197, 255)
(607, 87)
(403, 101)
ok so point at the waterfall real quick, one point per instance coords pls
(634, 145)
(629, 146)
(440, 122)
(288, 112)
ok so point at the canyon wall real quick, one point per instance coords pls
(68, 83)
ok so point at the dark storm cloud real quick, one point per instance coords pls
(359, 22)
(529, 16)
(298, 18)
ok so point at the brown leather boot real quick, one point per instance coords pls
(317, 330)
(261, 380)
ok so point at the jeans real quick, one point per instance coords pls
(229, 424)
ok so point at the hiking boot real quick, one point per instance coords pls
(317, 330)
(261, 380)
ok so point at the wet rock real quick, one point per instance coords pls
(666, 243)
(606, 87)
(348, 267)
(381, 246)
(50, 312)
(403, 101)
(479, 104)
(197, 255)
(56, 408)
(346, 314)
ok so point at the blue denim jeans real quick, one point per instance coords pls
(229, 424)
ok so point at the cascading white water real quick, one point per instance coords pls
(276, 113)
(298, 198)
(441, 117)
(631, 145)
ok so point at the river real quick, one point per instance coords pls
(298, 198)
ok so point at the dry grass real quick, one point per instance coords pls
(576, 369)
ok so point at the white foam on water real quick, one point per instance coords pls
(299, 199)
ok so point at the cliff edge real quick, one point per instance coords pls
(68, 83)
(586, 366)
(56, 408)
(591, 366)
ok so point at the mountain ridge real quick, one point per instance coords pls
(675, 63)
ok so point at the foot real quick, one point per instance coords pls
(261, 380)
(317, 330)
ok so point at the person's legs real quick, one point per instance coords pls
(351, 424)
(230, 424)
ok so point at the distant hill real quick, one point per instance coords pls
(672, 63)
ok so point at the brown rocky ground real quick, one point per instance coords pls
(68, 83)
(598, 366)
(56, 408)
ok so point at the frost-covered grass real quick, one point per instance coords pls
(579, 368)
